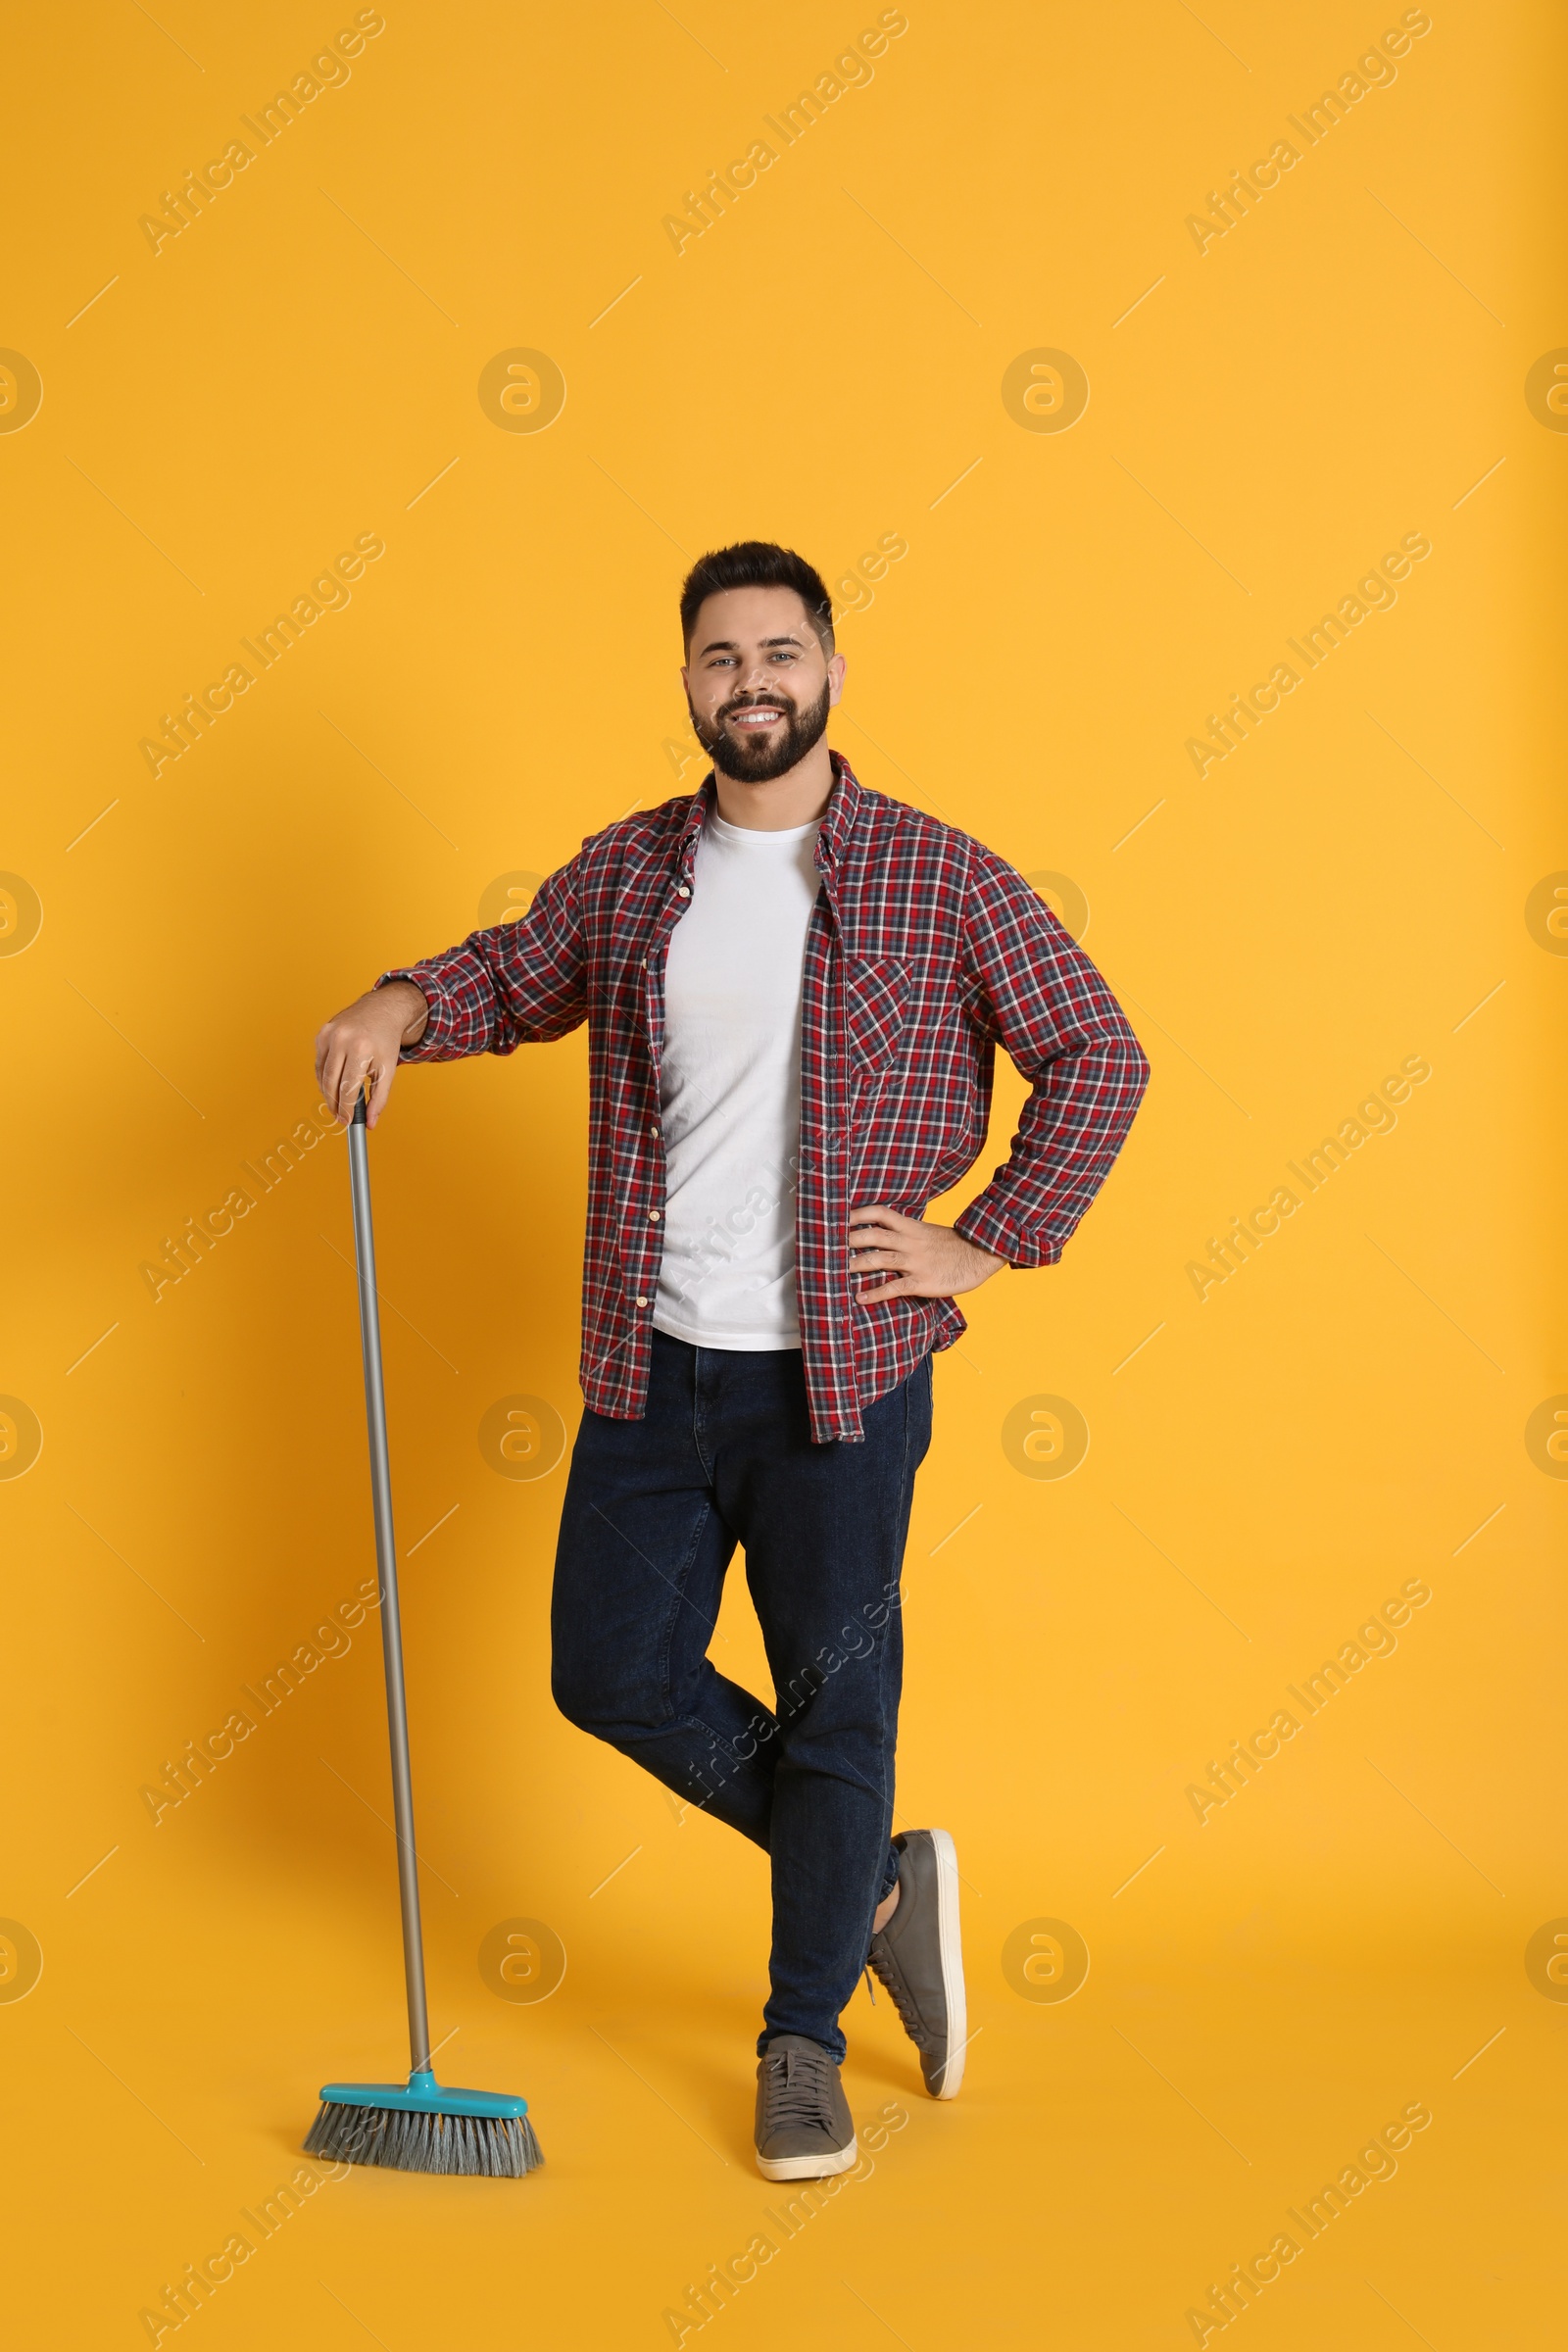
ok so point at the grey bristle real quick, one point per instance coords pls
(498, 2147)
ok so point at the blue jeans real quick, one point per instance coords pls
(652, 1513)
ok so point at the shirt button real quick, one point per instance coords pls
(683, 892)
(652, 1130)
(653, 1216)
(642, 1303)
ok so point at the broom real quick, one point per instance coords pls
(421, 2126)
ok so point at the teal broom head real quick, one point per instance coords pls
(424, 2128)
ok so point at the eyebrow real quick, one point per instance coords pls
(729, 645)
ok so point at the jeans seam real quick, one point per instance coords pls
(697, 1447)
(889, 1745)
(681, 1599)
(720, 1746)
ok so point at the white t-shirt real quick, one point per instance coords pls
(730, 1090)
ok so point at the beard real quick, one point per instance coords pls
(758, 759)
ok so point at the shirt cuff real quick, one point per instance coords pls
(435, 1042)
(989, 1227)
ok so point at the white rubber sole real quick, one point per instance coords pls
(952, 1950)
(807, 2168)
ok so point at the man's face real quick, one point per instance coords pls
(758, 683)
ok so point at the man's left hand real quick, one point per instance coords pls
(920, 1261)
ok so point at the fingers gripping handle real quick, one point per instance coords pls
(387, 1575)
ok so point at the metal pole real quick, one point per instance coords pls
(386, 1561)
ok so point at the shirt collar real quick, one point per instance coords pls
(842, 807)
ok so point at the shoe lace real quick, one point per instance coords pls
(798, 2088)
(893, 1978)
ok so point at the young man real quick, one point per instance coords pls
(794, 990)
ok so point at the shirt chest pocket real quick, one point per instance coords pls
(876, 998)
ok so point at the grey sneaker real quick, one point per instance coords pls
(919, 1957)
(803, 2128)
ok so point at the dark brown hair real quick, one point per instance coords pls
(756, 564)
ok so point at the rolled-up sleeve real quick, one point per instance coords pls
(1030, 988)
(520, 983)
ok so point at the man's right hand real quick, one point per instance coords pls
(363, 1041)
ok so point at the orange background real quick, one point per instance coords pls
(1367, 878)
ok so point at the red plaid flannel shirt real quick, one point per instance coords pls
(924, 952)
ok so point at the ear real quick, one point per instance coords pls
(835, 679)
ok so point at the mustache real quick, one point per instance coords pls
(753, 754)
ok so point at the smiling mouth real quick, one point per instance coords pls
(757, 715)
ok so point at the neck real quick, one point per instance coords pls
(796, 798)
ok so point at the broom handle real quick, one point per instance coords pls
(386, 1562)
